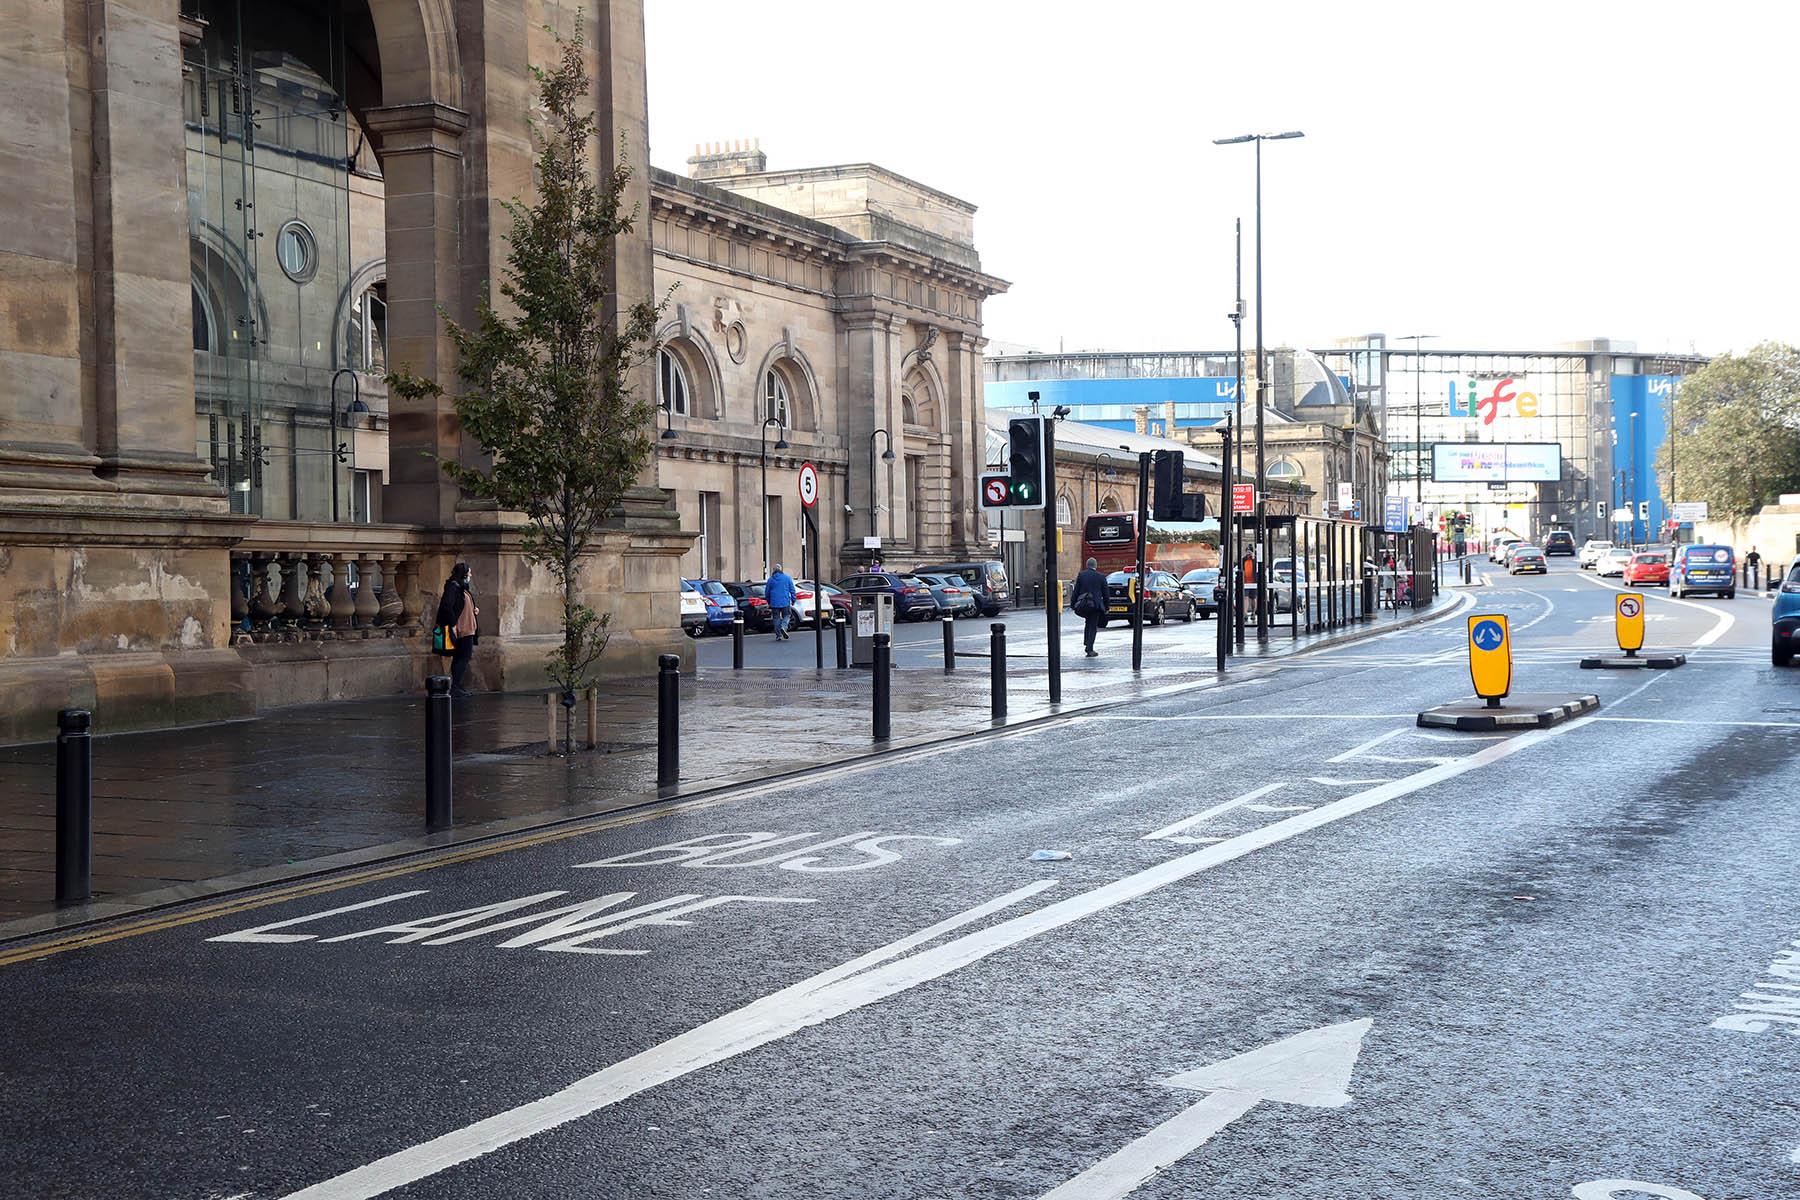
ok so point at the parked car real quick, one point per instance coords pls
(1647, 566)
(1559, 541)
(758, 617)
(1613, 561)
(1786, 618)
(1162, 597)
(1202, 586)
(693, 610)
(1497, 548)
(912, 601)
(1703, 569)
(954, 596)
(1281, 573)
(721, 605)
(805, 609)
(1524, 559)
(986, 577)
(1591, 550)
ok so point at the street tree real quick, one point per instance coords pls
(1736, 431)
(546, 374)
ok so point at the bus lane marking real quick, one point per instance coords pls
(821, 998)
(1168, 832)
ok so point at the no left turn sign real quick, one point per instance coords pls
(1630, 606)
(996, 490)
(809, 484)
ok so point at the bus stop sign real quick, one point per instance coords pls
(1628, 622)
(1490, 657)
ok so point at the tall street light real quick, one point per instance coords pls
(1418, 414)
(886, 456)
(1109, 475)
(1262, 384)
(781, 443)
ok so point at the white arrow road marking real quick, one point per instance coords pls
(838, 991)
(1311, 1068)
(1619, 1189)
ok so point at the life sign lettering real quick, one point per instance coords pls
(1628, 622)
(1490, 656)
(1471, 403)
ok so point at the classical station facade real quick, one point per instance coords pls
(214, 508)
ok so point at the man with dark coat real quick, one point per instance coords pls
(1089, 602)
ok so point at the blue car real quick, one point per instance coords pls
(1703, 569)
(721, 605)
(1786, 617)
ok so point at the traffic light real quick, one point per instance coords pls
(1600, 510)
(1643, 510)
(1028, 473)
(1167, 465)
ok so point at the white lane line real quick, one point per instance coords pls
(1262, 717)
(1187, 823)
(810, 1003)
(1130, 1167)
(1724, 619)
(1696, 721)
(1329, 780)
(1379, 738)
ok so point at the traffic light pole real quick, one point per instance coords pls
(1137, 584)
(1052, 589)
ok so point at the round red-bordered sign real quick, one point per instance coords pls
(996, 491)
(809, 484)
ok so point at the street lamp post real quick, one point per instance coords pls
(887, 455)
(1418, 414)
(781, 443)
(1109, 471)
(1262, 384)
(352, 411)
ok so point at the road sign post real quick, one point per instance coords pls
(1628, 623)
(809, 499)
(1490, 657)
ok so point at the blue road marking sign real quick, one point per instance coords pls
(1490, 657)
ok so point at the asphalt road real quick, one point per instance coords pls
(1548, 964)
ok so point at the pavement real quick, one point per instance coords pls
(181, 814)
(1283, 943)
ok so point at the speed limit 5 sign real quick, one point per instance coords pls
(809, 484)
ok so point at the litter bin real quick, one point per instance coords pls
(873, 614)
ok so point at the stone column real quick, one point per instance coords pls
(966, 424)
(48, 430)
(421, 162)
(871, 401)
(144, 369)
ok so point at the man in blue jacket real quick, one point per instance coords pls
(779, 592)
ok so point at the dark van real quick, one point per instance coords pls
(1703, 569)
(987, 578)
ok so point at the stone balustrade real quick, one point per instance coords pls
(310, 583)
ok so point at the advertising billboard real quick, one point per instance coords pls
(1496, 462)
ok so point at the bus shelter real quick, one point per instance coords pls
(1320, 574)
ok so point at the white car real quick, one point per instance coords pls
(1590, 553)
(1498, 547)
(693, 610)
(806, 603)
(1613, 561)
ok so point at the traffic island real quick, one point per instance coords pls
(1538, 710)
(1631, 662)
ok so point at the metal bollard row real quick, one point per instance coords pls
(668, 720)
(438, 781)
(949, 644)
(884, 662)
(997, 670)
(841, 628)
(737, 643)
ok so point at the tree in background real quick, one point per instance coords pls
(1736, 431)
(546, 384)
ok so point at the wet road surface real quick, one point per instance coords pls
(1554, 963)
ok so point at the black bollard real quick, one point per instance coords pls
(437, 752)
(997, 669)
(884, 659)
(949, 643)
(843, 641)
(668, 720)
(74, 806)
(737, 643)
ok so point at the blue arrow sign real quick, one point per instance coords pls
(1487, 635)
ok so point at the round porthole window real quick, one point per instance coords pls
(297, 252)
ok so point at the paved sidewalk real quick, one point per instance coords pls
(178, 812)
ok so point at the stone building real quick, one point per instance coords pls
(215, 508)
(211, 507)
(809, 322)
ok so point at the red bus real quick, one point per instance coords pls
(1110, 539)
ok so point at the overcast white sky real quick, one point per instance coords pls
(1497, 174)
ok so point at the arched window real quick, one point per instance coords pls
(1109, 503)
(1283, 468)
(368, 329)
(1065, 513)
(672, 389)
(775, 396)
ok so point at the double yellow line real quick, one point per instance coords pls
(225, 908)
